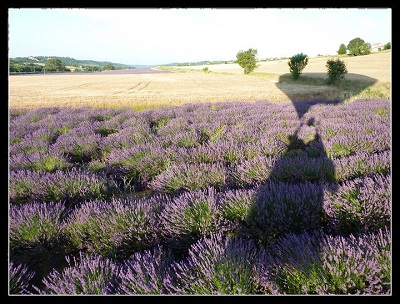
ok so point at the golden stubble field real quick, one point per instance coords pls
(226, 82)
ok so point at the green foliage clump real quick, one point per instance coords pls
(108, 67)
(25, 68)
(358, 46)
(55, 65)
(387, 46)
(336, 70)
(247, 60)
(296, 64)
(342, 49)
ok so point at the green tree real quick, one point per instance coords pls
(336, 70)
(247, 60)
(358, 46)
(365, 49)
(296, 64)
(387, 46)
(108, 67)
(55, 65)
(342, 49)
(12, 68)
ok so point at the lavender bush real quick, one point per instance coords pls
(282, 208)
(359, 205)
(114, 229)
(19, 279)
(84, 275)
(39, 161)
(81, 144)
(235, 205)
(218, 265)
(28, 145)
(184, 177)
(146, 273)
(190, 216)
(139, 164)
(322, 264)
(72, 186)
(36, 236)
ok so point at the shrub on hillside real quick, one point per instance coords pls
(247, 60)
(296, 64)
(336, 70)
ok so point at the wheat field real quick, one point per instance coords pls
(225, 82)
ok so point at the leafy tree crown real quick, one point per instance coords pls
(297, 63)
(342, 49)
(358, 46)
(55, 65)
(336, 70)
(247, 60)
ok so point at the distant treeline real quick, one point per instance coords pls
(206, 62)
(38, 64)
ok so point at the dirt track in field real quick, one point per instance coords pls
(145, 87)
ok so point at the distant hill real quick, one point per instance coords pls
(67, 60)
(204, 62)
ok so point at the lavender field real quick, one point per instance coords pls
(229, 198)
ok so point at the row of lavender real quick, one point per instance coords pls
(255, 175)
(193, 147)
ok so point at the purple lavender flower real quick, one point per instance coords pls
(253, 172)
(116, 228)
(358, 265)
(189, 177)
(38, 161)
(28, 146)
(359, 205)
(316, 263)
(139, 164)
(19, 278)
(147, 273)
(362, 164)
(125, 138)
(35, 115)
(35, 223)
(190, 216)
(282, 208)
(72, 186)
(82, 144)
(219, 265)
(87, 275)
(37, 237)
(236, 204)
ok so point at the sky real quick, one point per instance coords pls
(156, 36)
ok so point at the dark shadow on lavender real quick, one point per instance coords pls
(287, 215)
(303, 167)
(288, 210)
(291, 200)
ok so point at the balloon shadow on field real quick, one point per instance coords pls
(311, 89)
(289, 205)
